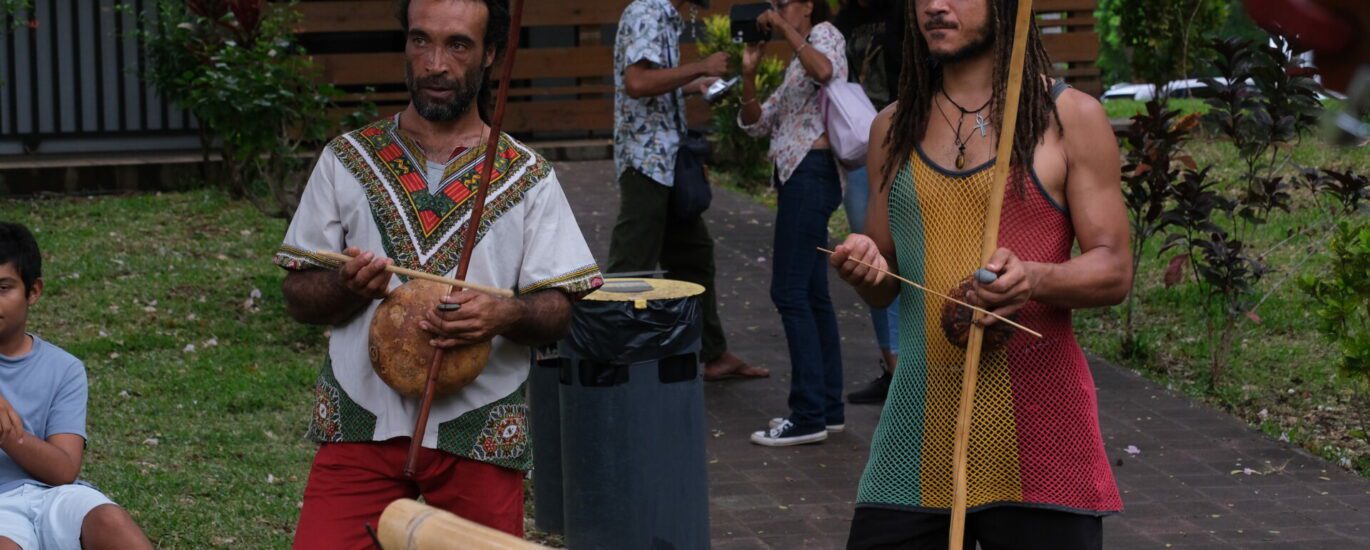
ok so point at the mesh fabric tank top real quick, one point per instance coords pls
(1035, 437)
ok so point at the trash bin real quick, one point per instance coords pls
(632, 419)
(544, 424)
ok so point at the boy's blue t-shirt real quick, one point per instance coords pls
(47, 387)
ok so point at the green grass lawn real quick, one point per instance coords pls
(199, 393)
(1125, 108)
(1282, 373)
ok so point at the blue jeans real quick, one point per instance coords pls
(799, 289)
(886, 320)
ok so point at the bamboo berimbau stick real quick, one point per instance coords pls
(500, 292)
(990, 242)
(943, 296)
(407, 525)
(411, 463)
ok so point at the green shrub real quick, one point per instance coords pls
(1341, 297)
(733, 148)
(1155, 41)
(238, 68)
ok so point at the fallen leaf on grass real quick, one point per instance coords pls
(250, 304)
(1175, 271)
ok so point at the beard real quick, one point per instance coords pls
(464, 91)
(978, 45)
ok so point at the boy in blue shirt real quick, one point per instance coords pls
(43, 426)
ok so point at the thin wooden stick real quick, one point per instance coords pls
(943, 296)
(411, 462)
(989, 243)
(499, 292)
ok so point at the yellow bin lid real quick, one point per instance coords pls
(641, 291)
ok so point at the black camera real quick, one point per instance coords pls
(744, 27)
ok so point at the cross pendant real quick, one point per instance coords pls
(981, 124)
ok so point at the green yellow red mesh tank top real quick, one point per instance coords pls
(1035, 437)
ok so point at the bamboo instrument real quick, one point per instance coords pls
(990, 242)
(413, 274)
(472, 226)
(943, 296)
(408, 525)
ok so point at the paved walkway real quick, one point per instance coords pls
(1179, 490)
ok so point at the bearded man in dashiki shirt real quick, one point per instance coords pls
(400, 191)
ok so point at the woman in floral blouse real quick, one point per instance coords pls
(810, 190)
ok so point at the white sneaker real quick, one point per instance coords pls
(784, 434)
(832, 428)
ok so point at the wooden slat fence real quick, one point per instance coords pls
(75, 82)
(563, 82)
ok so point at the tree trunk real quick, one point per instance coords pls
(1224, 350)
(1129, 343)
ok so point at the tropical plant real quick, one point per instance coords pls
(1152, 167)
(1264, 100)
(1341, 303)
(732, 145)
(235, 64)
(1218, 265)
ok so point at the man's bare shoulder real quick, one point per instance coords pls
(885, 116)
(880, 128)
(1081, 110)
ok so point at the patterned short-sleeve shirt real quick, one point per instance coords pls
(792, 116)
(369, 191)
(647, 129)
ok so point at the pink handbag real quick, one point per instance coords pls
(847, 114)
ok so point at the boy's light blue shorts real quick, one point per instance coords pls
(34, 516)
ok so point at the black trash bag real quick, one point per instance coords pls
(618, 332)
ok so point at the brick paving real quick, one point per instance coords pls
(1179, 490)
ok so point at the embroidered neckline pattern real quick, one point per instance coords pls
(423, 230)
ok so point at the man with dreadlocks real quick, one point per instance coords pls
(1038, 476)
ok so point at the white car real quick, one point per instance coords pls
(1144, 92)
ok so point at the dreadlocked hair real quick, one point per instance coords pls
(921, 79)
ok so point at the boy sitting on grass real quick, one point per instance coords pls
(43, 426)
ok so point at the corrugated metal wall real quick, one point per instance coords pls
(73, 82)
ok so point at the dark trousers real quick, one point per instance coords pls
(998, 528)
(645, 236)
(799, 289)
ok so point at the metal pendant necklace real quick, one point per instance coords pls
(980, 124)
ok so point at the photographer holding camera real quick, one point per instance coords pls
(810, 189)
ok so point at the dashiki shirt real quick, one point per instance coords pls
(371, 189)
(1035, 437)
(647, 129)
(792, 116)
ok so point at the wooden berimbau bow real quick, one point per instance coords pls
(472, 224)
(990, 242)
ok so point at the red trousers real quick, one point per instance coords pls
(350, 485)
